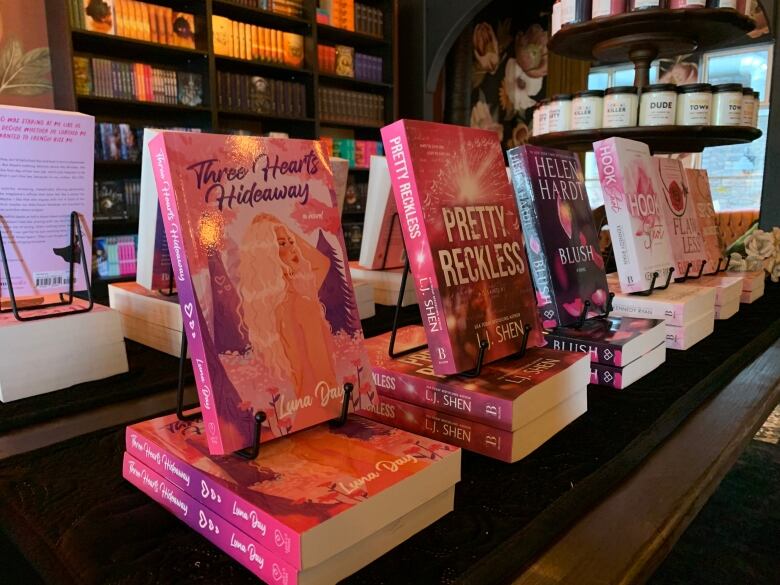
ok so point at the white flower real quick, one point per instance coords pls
(776, 234)
(775, 274)
(520, 86)
(760, 244)
(754, 263)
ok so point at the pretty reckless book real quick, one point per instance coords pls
(264, 288)
(462, 234)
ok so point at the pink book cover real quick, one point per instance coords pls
(47, 173)
(701, 197)
(263, 281)
(682, 221)
(462, 234)
(297, 485)
(507, 394)
(754, 280)
(633, 201)
(727, 287)
(212, 526)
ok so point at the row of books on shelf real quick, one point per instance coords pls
(261, 95)
(241, 40)
(351, 107)
(136, 81)
(286, 7)
(351, 15)
(115, 256)
(358, 153)
(344, 61)
(122, 141)
(134, 20)
(117, 199)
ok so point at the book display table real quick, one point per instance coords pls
(68, 517)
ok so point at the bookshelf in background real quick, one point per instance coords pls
(253, 66)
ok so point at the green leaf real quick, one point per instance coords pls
(24, 73)
(10, 56)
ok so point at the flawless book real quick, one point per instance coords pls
(263, 281)
(507, 395)
(701, 198)
(560, 236)
(462, 234)
(633, 196)
(311, 496)
(613, 341)
(46, 174)
(682, 222)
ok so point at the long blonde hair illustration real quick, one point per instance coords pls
(280, 274)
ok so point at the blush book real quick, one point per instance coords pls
(462, 234)
(504, 445)
(382, 246)
(263, 281)
(682, 222)
(633, 201)
(311, 496)
(560, 236)
(611, 341)
(701, 198)
(507, 395)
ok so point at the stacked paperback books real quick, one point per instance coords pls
(351, 107)
(512, 408)
(728, 290)
(241, 40)
(313, 508)
(622, 349)
(115, 256)
(752, 285)
(261, 95)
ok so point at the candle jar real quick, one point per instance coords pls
(604, 8)
(575, 11)
(748, 106)
(634, 5)
(694, 104)
(587, 108)
(658, 104)
(727, 104)
(620, 107)
(755, 109)
(544, 125)
(556, 17)
(687, 3)
(559, 113)
(722, 4)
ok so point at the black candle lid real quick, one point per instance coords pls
(747, 91)
(621, 89)
(694, 88)
(727, 87)
(561, 96)
(660, 87)
(589, 93)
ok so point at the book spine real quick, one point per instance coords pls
(409, 205)
(445, 398)
(534, 243)
(466, 434)
(267, 530)
(187, 300)
(606, 376)
(603, 353)
(623, 240)
(626, 306)
(206, 522)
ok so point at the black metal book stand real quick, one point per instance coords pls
(72, 253)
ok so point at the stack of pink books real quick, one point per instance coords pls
(511, 409)
(313, 508)
(728, 290)
(752, 285)
(622, 349)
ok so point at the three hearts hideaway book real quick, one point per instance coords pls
(265, 291)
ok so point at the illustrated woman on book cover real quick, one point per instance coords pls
(280, 276)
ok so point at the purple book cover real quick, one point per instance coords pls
(560, 236)
(47, 173)
(606, 340)
(212, 526)
(263, 282)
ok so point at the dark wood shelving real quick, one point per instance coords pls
(114, 227)
(343, 36)
(353, 83)
(260, 17)
(118, 164)
(114, 46)
(248, 66)
(258, 116)
(660, 139)
(97, 102)
(344, 124)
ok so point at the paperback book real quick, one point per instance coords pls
(462, 234)
(48, 171)
(682, 223)
(701, 198)
(383, 245)
(686, 336)
(507, 395)
(560, 236)
(311, 496)
(620, 378)
(632, 199)
(612, 341)
(261, 271)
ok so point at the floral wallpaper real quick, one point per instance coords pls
(509, 67)
(25, 68)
